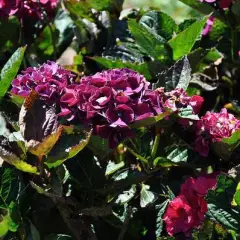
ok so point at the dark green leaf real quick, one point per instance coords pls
(126, 196)
(9, 32)
(99, 146)
(146, 197)
(58, 237)
(204, 8)
(186, 23)
(236, 8)
(109, 64)
(178, 76)
(187, 113)
(10, 70)
(179, 154)
(4, 131)
(219, 203)
(152, 44)
(159, 23)
(112, 167)
(69, 145)
(160, 211)
(183, 43)
(34, 232)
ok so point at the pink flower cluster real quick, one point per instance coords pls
(22, 8)
(222, 3)
(209, 26)
(109, 101)
(48, 80)
(187, 211)
(213, 127)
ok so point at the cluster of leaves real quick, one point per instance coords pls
(62, 182)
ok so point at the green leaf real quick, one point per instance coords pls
(177, 76)
(10, 70)
(219, 207)
(126, 196)
(146, 197)
(159, 23)
(183, 43)
(4, 131)
(34, 232)
(150, 120)
(58, 237)
(112, 167)
(236, 8)
(204, 8)
(9, 186)
(236, 197)
(233, 139)
(83, 8)
(110, 64)
(160, 211)
(179, 154)
(69, 145)
(152, 44)
(187, 113)
(4, 227)
(99, 146)
(13, 154)
(163, 162)
(9, 32)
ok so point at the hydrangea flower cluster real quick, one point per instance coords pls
(222, 3)
(213, 127)
(187, 211)
(49, 81)
(109, 101)
(113, 99)
(26, 7)
(178, 99)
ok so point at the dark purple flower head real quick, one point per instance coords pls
(49, 81)
(111, 100)
(213, 127)
(23, 8)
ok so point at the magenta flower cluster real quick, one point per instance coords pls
(114, 99)
(23, 8)
(213, 127)
(109, 101)
(188, 209)
(48, 80)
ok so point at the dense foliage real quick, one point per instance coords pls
(119, 124)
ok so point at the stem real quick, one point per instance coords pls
(125, 224)
(53, 41)
(234, 44)
(142, 159)
(74, 225)
(155, 145)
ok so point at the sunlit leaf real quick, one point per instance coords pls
(10, 70)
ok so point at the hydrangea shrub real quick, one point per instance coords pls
(119, 124)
